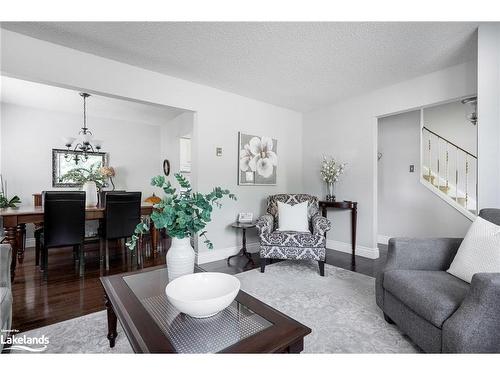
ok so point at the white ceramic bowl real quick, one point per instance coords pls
(203, 294)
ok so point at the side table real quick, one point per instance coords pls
(243, 250)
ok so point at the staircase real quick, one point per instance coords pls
(449, 172)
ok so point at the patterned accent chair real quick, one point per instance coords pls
(275, 244)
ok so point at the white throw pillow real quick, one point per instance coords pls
(293, 218)
(478, 252)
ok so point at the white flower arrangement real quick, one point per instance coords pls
(331, 170)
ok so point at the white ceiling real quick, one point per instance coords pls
(36, 95)
(302, 66)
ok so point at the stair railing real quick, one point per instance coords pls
(434, 176)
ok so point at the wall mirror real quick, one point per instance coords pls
(64, 161)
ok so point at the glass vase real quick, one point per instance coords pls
(330, 196)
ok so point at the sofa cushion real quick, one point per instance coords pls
(292, 239)
(478, 252)
(433, 295)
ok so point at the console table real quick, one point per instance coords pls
(344, 205)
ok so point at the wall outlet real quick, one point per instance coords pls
(218, 151)
(412, 168)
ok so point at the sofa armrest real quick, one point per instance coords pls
(475, 326)
(432, 254)
(5, 261)
(320, 224)
(265, 224)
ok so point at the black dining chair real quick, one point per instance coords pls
(63, 224)
(121, 216)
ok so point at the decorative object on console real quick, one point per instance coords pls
(204, 294)
(91, 180)
(153, 199)
(108, 172)
(84, 146)
(258, 160)
(183, 215)
(331, 170)
(4, 200)
(293, 245)
(245, 217)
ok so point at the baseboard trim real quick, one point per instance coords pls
(383, 239)
(362, 251)
(208, 256)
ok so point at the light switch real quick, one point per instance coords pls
(218, 151)
(412, 168)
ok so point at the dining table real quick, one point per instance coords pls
(16, 218)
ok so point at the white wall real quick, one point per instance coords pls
(219, 116)
(450, 122)
(405, 207)
(348, 131)
(488, 94)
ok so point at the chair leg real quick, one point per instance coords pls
(321, 264)
(263, 262)
(82, 260)
(107, 255)
(37, 247)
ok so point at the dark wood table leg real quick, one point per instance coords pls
(154, 237)
(11, 236)
(323, 211)
(296, 347)
(111, 321)
(243, 250)
(354, 216)
(21, 242)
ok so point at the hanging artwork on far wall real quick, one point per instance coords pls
(258, 160)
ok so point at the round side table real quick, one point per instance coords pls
(243, 250)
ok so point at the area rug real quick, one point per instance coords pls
(339, 308)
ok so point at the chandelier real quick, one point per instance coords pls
(85, 142)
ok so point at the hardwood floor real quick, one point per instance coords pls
(65, 295)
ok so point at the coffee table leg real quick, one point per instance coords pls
(296, 347)
(111, 321)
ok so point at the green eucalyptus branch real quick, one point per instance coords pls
(182, 214)
(82, 175)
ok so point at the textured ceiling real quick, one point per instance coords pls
(302, 66)
(36, 95)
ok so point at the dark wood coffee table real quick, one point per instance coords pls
(153, 325)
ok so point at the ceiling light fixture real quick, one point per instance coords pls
(87, 143)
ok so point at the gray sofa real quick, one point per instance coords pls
(5, 291)
(438, 311)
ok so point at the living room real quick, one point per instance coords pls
(166, 184)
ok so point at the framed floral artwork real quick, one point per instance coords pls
(258, 160)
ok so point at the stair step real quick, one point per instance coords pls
(429, 178)
(444, 189)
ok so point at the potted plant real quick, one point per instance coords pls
(5, 202)
(183, 215)
(91, 180)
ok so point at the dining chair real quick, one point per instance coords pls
(121, 215)
(63, 224)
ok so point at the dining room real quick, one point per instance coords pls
(56, 142)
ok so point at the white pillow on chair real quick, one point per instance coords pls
(478, 252)
(293, 218)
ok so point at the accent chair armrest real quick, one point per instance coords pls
(431, 254)
(265, 224)
(5, 261)
(475, 326)
(320, 224)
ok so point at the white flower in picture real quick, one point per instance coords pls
(264, 158)
(245, 157)
(258, 156)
